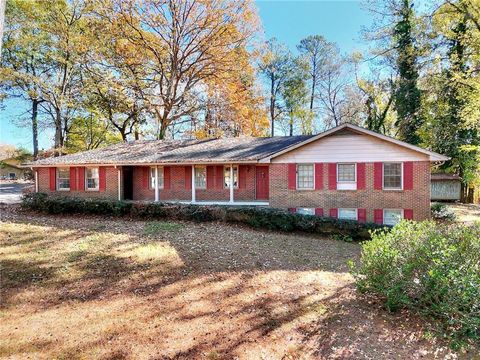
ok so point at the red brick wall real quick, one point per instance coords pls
(111, 191)
(417, 199)
(179, 192)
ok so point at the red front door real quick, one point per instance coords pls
(262, 183)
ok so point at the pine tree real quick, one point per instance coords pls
(407, 95)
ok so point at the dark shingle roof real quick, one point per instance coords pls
(179, 151)
(442, 176)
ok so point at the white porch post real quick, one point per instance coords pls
(193, 184)
(119, 183)
(231, 183)
(156, 184)
(36, 181)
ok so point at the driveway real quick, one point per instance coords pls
(11, 191)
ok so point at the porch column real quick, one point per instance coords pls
(156, 183)
(36, 181)
(193, 184)
(231, 183)
(119, 183)
(119, 180)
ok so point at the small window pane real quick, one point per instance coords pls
(347, 214)
(305, 176)
(92, 178)
(200, 177)
(63, 178)
(346, 173)
(160, 177)
(392, 176)
(306, 211)
(226, 176)
(392, 217)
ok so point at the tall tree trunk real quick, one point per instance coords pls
(35, 103)
(58, 132)
(470, 196)
(123, 134)
(272, 106)
(312, 95)
(291, 125)
(463, 192)
(162, 131)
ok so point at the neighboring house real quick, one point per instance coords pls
(10, 169)
(347, 172)
(446, 187)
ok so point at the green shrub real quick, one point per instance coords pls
(256, 217)
(442, 212)
(429, 268)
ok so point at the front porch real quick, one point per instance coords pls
(238, 184)
(234, 203)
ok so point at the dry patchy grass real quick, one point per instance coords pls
(87, 287)
(465, 212)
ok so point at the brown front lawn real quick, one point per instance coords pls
(87, 287)
(467, 213)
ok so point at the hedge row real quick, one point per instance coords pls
(256, 217)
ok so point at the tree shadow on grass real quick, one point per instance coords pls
(16, 275)
(224, 264)
(218, 284)
(196, 249)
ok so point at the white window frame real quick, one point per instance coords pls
(340, 210)
(347, 185)
(306, 211)
(226, 185)
(401, 176)
(97, 188)
(161, 175)
(313, 176)
(195, 177)
(402, 216)
(58, 179)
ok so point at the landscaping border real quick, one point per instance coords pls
(256, 217)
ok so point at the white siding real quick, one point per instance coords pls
(347, 148)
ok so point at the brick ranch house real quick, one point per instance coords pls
(347, 172)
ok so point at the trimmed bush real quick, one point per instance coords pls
(256, 217)
(429, 268)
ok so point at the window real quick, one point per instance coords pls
(63, 179)
(160, 177)
(305, 176)
(392, 176)
(346, 173)
(346, 176)
(226, 176)
(392, 216)
(12, 176)
(306, 211)
(347, 214)
(200, 177)
(91, 178)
